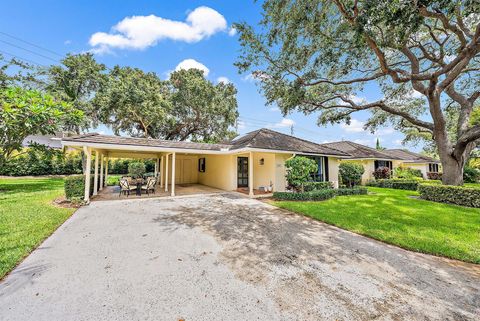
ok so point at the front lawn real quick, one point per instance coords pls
(27, 216)
(394, 217)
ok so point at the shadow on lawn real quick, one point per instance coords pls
(310, 266)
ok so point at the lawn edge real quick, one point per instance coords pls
(373, 238)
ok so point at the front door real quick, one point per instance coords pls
(242, 172)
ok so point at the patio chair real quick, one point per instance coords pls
(125, 187)
(150, 186)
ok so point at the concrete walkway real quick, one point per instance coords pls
(225, 257)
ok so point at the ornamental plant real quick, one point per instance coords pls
(351, 174)
(382, 173)
(136, 169)
(299, 170)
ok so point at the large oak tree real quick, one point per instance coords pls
(317, 55)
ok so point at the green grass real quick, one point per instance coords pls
(27, 216)
(113, 180)
(392, 216)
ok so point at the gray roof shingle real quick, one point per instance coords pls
(359, 151)
(410, 156)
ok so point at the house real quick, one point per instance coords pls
(253, 161)
(371, 158)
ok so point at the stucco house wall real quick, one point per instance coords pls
(220, 172)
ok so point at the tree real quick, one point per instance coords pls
(134, 102)
(77, 80)
(350, 173)
(27, 112)
(378, 146)
(201, 111)
(317, 55)
(299, 170)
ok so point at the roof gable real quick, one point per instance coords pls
(359, 151)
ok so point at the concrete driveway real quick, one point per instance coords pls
(225, 257)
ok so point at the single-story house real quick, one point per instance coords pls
(253, 161)
(371, 158)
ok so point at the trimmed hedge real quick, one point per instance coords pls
(313, 186)
(75, 186)
(395, 183)
(459, 195)
(318, 195)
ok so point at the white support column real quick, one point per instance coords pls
(101, 171)
(173, 174)
(106, 170)
(156, 167)
(95, 180)
(250, 174)
(166, 173)
(88, 169)
(162, 165)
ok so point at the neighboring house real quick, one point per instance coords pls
(416, 161)
(371, 158)
(253, 161)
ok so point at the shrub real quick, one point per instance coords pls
(471, 175)
(459, 195)
(434, 176)
(407, 173)
(351, 173)
(410, 185)
(299, 170)
(382, 173)
(318, 195)
(136, 169)
(312, 186)
(113, 180)
(75, 186)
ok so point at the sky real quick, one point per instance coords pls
(161, 36)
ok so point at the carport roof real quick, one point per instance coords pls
(259, 139)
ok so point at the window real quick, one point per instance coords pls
(322, 173)
(201, 164)
(383, 163)
(433, 168)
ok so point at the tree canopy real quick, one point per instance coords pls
(423, 55)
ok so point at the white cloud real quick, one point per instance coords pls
(386, 131)
(397, 142)
(241, 124)
(367, 142)
(225, 80)
(192, 63)
(232, 32)
(285, 122)
(274, 109)
(67, 42)
(358, 100)
(140, 32)
(355, 126)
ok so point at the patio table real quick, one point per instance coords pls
(139, 182)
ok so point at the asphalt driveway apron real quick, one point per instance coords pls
(226, 257)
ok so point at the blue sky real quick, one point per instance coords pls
(178, 31)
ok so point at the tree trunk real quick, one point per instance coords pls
(452, 171)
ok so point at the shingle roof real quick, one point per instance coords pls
(270, 139)
(359, 151)
(259, 139)
(410, 156)
(151, 142)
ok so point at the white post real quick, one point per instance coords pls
(95, 181)
(106, 170)
(162, 165)
(173, 174)
(88, 168)
(101, 171)
(250, 174)
(166, 173)
(156, 168)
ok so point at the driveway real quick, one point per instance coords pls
(225, 257)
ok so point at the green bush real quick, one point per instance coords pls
(459, 195)
(299, 169)
(75, 186)
(113, 180)
(136, 169)
(410, 185)
(471, 175)
(351, 173)
(312, 186)
(318, 195)
(120, 166)
(407, 173)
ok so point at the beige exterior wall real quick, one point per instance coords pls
(422, 167)
(220, 172)
(333, 171)
(186, 171)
